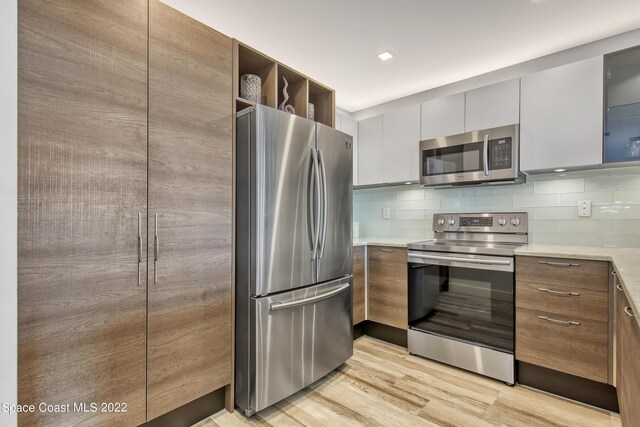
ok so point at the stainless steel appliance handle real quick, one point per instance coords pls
(567, 294)
(156, 248)
(486, 155)
(467, 260)
(559, 264)
(318, 189)
(312, 227)
(325, 203)
(561, 322)
(284, 305)
(629, 312)
(139, 246)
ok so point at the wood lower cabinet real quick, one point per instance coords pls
(628, 362)
(82, 180)
(190, 210)
(359, 284)
(562, 315)
(569, 344)
(387, 286)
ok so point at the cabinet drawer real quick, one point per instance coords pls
(568, 300)
(564, 271)
(387, 286)
(577, 349)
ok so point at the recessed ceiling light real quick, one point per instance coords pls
(384, 56)
(559, 170)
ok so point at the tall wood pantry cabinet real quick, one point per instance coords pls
(124, 209)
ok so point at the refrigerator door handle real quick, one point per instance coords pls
(325, 203)
(311, 191)
(316, 233)
(305, 301)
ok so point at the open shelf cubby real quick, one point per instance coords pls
(301, 89)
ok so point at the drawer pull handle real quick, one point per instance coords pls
(560, 264)
(619, 287)
(566, 294)
(629, 312)
(561, 322)
(614, 274)
(390, 251)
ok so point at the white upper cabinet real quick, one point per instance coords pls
(561, 117)
(370, 151)
(442, 116)
(400, 144)
(350, 127)
(493, 106)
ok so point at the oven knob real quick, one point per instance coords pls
(515, 221)
(440, 221)
(502, 221)
(452, 221)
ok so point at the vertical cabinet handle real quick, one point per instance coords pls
(139, 246)
(156, 248)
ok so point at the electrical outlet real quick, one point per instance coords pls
(386, 213)
(584, 208)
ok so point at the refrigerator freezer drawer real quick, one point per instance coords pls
(296, 338)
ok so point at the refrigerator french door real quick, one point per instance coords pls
(293, 247)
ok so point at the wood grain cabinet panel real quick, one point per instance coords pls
(190, 189)
(359, 291)
(628, 383)
(387, 286)
(547, 339)
(568, 300)
(82, 179)
(582, 273)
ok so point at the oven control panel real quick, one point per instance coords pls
(497, 222)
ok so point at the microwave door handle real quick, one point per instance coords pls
(486, 155)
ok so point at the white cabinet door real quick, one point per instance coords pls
(493, 106)
(400, 144)
(350, 127)
(442, 116)
(370, 151)
(561, 117)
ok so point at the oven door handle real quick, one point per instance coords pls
(465, 260)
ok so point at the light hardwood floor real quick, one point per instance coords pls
(382, 385)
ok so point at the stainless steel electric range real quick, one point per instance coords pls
(461, 292)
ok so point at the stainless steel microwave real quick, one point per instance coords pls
(488, 156)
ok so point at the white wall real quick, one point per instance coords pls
(8, 204)
(600, 47)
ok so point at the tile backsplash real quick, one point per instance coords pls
(549, 199)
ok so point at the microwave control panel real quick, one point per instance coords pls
(500, 153)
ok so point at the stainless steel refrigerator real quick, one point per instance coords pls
(293, 254)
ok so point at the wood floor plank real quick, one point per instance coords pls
(382, 385)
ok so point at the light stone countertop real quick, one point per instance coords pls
(398, 242)
(626, 261)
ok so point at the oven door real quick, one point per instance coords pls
(468, 298)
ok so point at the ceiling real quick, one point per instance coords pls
(435, 42)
